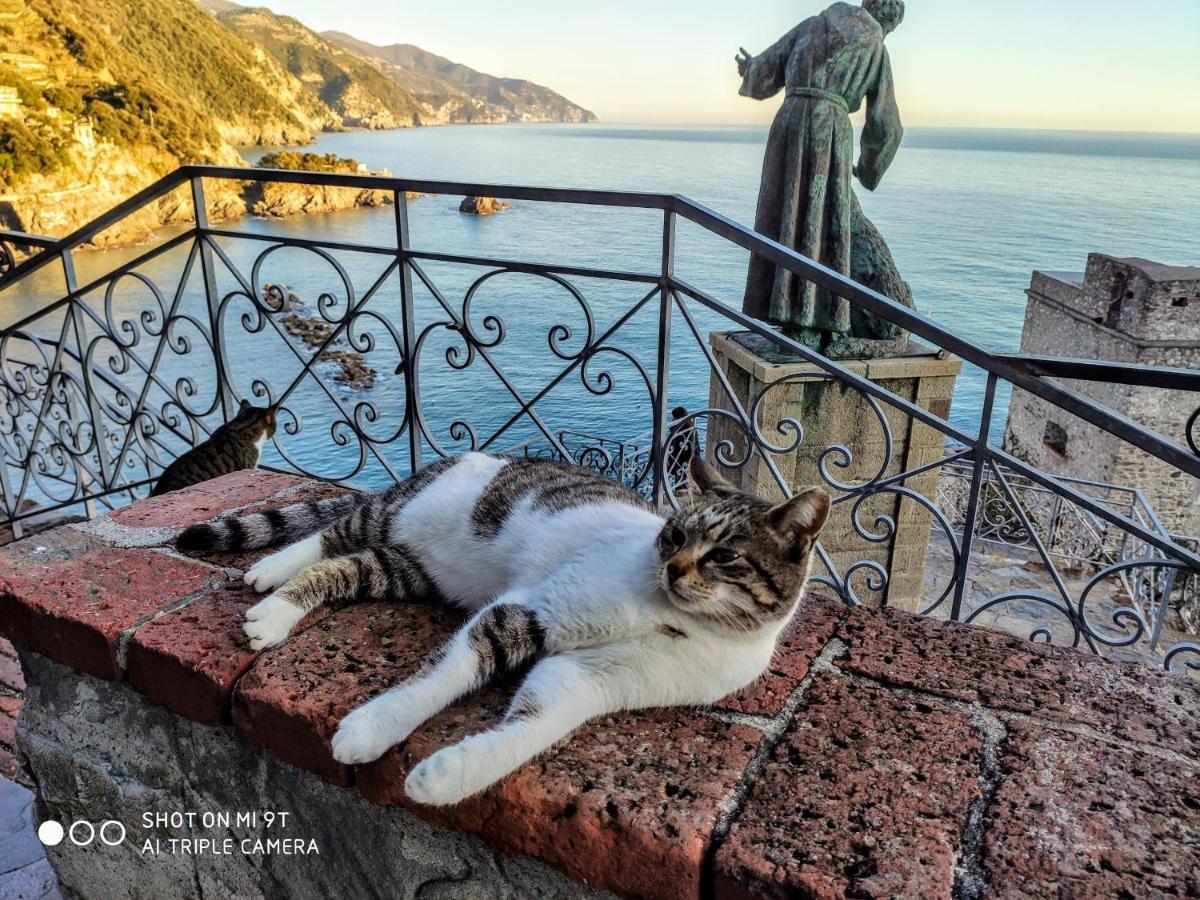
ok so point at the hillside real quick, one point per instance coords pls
(164, 73)
(111, 95)
(457, 93)
(355, 90)
(100, 97)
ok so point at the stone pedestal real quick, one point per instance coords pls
(834, 415)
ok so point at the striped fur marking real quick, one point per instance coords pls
(504, 637)
(275, 526)
(380, 573)
(553, 486)
(670, 631)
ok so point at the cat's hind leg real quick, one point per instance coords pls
(380, 573)
(498, 638)
(559, 694)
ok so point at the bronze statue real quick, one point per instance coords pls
(828, 65)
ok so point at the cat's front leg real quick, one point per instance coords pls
(499, 637)
(276, 569)
(270, 621)
(559, 694)
(382, 573)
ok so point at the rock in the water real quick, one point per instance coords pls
(313, 332)
(483, 206)
(351, 371)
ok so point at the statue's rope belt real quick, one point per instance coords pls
(820, 94)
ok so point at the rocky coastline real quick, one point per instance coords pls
(483, 206)
(55, 207)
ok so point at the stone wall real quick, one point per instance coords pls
(1122, 310)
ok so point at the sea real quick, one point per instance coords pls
(968, 215)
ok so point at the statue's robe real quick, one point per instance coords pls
(828, 64)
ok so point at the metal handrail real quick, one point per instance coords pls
(1017, 370)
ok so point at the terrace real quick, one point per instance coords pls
(107, 377)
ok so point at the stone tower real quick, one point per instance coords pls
(1121, 310)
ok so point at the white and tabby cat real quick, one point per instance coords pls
(615, 607)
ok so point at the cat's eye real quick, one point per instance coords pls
(721, 556)
(676, 537)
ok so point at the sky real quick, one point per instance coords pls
(1109, 65)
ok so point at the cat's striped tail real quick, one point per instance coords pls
(275, 526)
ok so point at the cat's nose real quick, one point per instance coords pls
(675, 570)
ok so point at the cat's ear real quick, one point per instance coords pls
(707, 478)
(243, 406)
(801, 518)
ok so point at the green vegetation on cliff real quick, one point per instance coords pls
(309, 162)
(100, 97)
(355, 90)
(171, 69)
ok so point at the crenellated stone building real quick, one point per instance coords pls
(1121, 310)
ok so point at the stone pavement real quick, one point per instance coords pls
(24, 872)
(996, 569)
(882, 755)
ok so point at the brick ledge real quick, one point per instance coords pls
(881, 753)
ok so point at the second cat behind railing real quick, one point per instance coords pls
(614, 606)
(234, 446)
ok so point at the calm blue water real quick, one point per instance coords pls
(968, 215)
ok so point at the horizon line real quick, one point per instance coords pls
(743, 124)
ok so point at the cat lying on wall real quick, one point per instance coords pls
(615, 607)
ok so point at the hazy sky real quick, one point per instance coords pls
(1122, 65)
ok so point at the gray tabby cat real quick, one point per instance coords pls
(614, 606)
(233, 446)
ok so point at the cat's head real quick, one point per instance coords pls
(255, 423)
(736, 560)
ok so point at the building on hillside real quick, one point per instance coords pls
(1120, 310)
(11, 106)
(85, 136)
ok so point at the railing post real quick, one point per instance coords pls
(661, 404)
(211, 294)
(979, 461)
(10, 501)
(93, 406)
(412, 393)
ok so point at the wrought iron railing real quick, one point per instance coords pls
(21, 242)
(1036, 515)
(105, 380)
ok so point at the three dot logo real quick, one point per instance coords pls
(110, 832)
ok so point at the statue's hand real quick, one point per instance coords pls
(743, 60)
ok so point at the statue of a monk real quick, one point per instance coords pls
(828, 65)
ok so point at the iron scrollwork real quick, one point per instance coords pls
(101, 388)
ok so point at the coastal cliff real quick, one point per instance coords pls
(98, 100)
(50, 208)
(453, 93)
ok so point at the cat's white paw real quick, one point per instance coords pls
(268, 573)
(442, 779)
(367, 732)
(276, 569)
(269, 621)
(361, 737)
